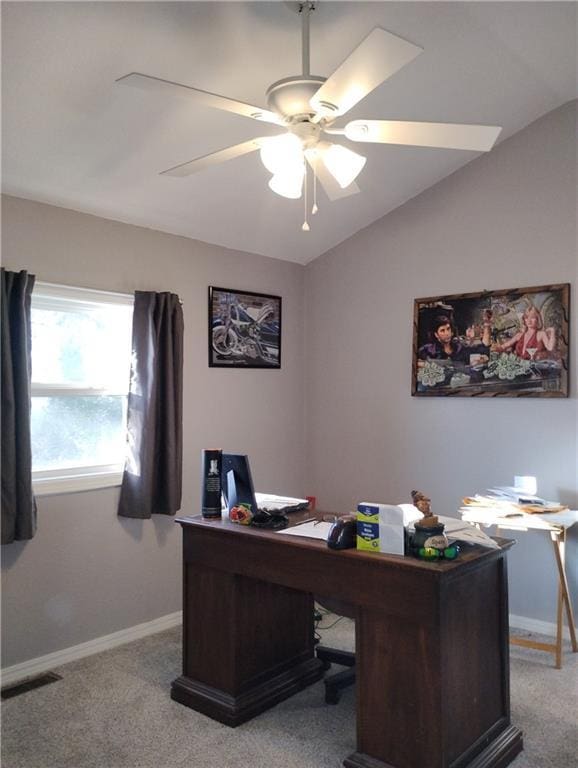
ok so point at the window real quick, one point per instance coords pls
(81, 349)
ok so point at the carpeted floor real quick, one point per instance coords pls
(113, 710)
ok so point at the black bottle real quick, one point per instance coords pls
(211, 460)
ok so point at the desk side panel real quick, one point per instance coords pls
(475, 660)
(437, 680)
(240, 631)
(398, 691)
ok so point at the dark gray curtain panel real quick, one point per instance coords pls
(152, 479)
(18, 502)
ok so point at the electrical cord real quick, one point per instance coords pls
(319, 614)
(337, 620)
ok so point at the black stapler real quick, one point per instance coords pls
(343, 533)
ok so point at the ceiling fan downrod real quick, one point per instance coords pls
(305, 10)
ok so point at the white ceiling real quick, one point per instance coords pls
(73, 138)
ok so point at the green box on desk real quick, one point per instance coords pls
(379, 528)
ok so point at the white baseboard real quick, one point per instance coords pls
(537, 626)
(41, 664)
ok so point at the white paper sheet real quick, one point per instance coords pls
(273, 503)
(461, 530)
(311, 530)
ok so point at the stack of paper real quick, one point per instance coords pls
(465, 532)
(480, 507)
(272, 503)
(492, 506)
(517, 495)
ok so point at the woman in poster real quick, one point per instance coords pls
(534, 341)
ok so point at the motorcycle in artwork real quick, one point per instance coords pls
(244, 329)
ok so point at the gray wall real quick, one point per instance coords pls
(506, 220)
(88, 573)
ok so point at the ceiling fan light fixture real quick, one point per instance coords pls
(307, 107)
(281, 154)
(289, 183)
(343, 164)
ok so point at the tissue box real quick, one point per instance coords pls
(380, 528)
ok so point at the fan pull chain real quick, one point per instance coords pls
(305, 227)
(315, 208)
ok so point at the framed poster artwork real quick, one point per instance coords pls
(244, 329)
(511, 343)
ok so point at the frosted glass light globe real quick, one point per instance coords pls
(280, 154)
(343, 164)
(289, 184)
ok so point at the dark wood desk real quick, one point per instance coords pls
(431, 641)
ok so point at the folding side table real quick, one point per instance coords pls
(555, 524)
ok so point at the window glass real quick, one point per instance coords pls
(81, 349)
(77, 431)
(87, 347)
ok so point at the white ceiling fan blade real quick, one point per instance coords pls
(200, 163)
(156, 84)
(478, 138)
(375, 59)
(328, 182)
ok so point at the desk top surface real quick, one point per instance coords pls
(223, 526)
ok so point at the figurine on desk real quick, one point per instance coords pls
(423, 503)
(429, 541)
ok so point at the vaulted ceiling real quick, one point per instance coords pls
(72, 137)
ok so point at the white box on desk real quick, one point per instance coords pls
(380, 528)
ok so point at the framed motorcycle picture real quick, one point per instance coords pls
(244, 329)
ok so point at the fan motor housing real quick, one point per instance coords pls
(290, 97)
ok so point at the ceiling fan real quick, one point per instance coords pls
(308, 106)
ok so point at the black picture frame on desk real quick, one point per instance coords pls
(508, 343)
(244, 329)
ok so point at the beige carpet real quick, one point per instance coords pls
(113, 710)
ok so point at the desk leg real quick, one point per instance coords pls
(558, 542)
(433, 691)
(247, 645)
(397, 691)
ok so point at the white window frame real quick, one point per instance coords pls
(84, 478)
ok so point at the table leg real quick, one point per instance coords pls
(559, 626)
(558, 542)
(563, 602)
